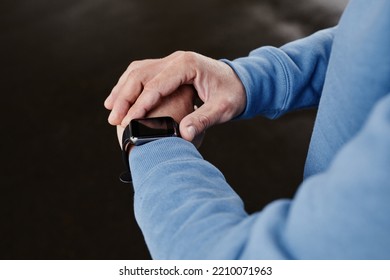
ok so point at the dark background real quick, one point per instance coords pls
(60, 195)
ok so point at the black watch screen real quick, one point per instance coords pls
(152, 127)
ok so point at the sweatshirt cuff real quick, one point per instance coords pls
(145, 158)
(265, 80)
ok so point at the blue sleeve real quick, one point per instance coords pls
(186, 210)
(279, 80)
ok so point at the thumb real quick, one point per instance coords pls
(197, 122)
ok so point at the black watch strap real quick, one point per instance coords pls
(125, 177)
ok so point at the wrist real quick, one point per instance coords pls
(142, 131)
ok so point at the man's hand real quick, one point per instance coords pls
(177, 105)
(144, 85)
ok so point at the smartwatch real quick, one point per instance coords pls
(142, 131)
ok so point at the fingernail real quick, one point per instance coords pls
(191, 131)
(107, 102)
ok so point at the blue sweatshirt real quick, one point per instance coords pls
(186, 209)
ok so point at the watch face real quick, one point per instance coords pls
(152, 127)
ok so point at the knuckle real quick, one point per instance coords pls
(178, 53)
(151, 86)
(134, 65)
(184, 57)
(135, 68)
(189, 57)
(135, 74)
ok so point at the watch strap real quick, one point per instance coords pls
(125, 177)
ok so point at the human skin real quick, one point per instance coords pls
(177, 105)
(145, 83)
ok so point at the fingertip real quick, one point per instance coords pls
(187, 131)
(108, 103)
(113, 119)
(191, 132)
(111, 122)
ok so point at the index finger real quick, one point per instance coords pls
(131, 81)
(178, 72)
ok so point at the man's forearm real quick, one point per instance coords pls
(182, 203)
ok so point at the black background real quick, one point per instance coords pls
(60, 194)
